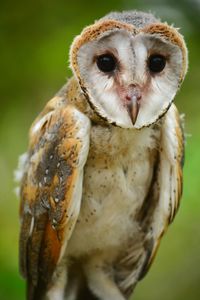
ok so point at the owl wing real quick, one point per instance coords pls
(165, 192)
(161, 203)
(51, 190)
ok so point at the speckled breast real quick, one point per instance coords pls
(117, 176)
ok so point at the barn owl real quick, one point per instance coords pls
(102, 178)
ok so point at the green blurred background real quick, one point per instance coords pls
(35, 40)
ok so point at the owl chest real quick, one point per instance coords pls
(117, 176)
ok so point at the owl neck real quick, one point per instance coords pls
(75, 96)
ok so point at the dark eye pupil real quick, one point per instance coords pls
(106, 63)
(156, 63)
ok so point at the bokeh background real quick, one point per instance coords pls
(35, 39)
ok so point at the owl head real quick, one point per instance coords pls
(130, 66)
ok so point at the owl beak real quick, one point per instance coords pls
(133, 108)
(133, 98)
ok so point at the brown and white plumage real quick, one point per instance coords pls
(102, 178)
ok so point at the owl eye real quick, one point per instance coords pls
(106, 63)
(156, 63)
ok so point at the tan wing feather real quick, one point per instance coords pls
(170, 177)
(51, 191)
(160, 205)
(166, 190)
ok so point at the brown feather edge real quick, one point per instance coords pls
(92, 32)
(171, 34)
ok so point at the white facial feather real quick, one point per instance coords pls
(163, 86)
(132, 53)
(101, 87)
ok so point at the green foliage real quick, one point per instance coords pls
(35, 40)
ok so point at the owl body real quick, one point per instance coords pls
(117, 176)
(102, 178)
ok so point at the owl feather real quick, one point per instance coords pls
(102, 178)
